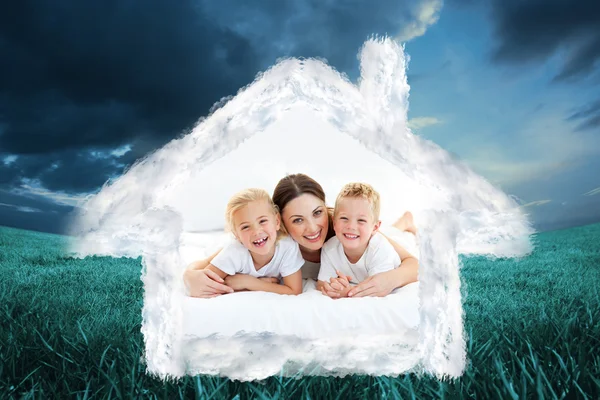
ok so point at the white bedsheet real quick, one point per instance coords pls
(310, 315)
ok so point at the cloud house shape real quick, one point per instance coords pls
(303, 116)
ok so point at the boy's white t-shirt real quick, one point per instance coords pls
(379, 256)
(236, 259)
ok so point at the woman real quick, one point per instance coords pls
(308, 221)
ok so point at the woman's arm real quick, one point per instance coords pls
(204, 283)
(409, 266)
(292, 284)
(216, 270)
(201, 264)
(383, 283)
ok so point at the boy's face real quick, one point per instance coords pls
(354, 223)
(256, 226)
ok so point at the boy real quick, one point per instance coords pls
(357, 250)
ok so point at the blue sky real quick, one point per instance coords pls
(508, 122)
(509, 87)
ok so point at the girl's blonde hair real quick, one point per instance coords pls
(241, 199)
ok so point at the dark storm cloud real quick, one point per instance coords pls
(69, 171)
(81, 76)
(333, 30)
(103, 73)
(530, 31)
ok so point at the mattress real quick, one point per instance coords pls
(310, 315)
(253, 335)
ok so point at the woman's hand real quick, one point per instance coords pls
(377, 285)
(205, 283)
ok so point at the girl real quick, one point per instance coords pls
(260, 255)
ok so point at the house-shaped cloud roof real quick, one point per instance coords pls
(373, 113)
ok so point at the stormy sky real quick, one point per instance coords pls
(86, 88)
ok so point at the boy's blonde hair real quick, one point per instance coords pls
(241, 199)
(363, 190)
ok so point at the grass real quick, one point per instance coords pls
(71, 328)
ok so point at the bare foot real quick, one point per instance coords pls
(405, 223)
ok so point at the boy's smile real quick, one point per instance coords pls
(354, 225)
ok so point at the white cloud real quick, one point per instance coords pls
(118, 152)
(33, 187)
(592, 192)
(423, 122)
(28, 209)
(10, 159)
(536, 203)
(426, 13)
(121, 151)
(21, 208)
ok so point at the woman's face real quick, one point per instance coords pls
(306, 220)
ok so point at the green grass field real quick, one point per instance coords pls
(71, 328)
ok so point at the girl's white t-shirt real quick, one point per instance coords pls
(236, 259)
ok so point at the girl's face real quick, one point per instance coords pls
(306, 220)
(256, 226)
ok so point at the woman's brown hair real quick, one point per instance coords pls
(295, 185)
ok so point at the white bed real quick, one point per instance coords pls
(310, 315)
(252, 335)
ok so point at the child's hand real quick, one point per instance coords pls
(329, 291)
(337, 287)
(237, 282)
(341, 282)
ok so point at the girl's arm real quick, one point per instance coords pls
(292, 284)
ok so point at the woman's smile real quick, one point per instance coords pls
(306, 220)
(313, 238)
